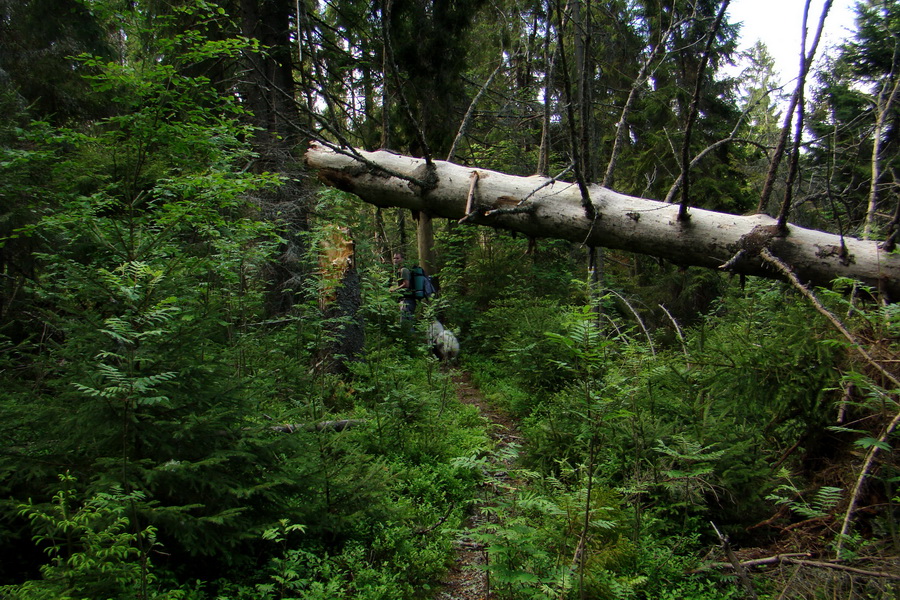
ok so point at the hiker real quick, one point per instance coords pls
(404, 283)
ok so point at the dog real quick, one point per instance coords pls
(443, 343)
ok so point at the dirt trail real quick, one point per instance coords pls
(466, 580)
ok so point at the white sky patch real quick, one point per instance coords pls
(778, 24)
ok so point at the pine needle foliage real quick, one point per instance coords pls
(94, 550)
(138, 299)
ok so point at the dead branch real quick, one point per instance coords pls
(802, 559)
(470, 199)
(339, 425)
(471, 111)
(770, 258)
(789, 114)
(738, 568)
(756, 562)
(441, 521)
(889, 428)
(839, 567)
(870, 458)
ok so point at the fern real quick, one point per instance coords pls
(788, 494)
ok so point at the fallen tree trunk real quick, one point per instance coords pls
(320, 426)
(542, 207)
(797, 560)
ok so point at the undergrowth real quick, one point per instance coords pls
(732, 424)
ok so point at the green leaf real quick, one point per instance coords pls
(868, 442)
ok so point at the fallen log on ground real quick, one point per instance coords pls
(802, 560)
(339, 425)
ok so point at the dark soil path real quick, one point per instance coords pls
(467, 579)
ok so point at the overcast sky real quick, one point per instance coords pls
(778, 24)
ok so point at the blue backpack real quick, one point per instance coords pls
(421, 283)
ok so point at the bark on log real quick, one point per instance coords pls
(540, 207)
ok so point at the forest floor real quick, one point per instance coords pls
(467, 579)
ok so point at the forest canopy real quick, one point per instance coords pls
(208, 386)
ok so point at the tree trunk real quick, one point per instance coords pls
(268, 89)
(538, 207)
(883, 110)
(543, 166)
(425, 239)
(340, 299)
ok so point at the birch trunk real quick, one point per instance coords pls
(540, 207)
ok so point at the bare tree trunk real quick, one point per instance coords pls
(692, 113)
(539, 207)
(644, 73)
(425, 239)
(805, 62)
(386, 70)
(543, 166)
(574, 147)
(382, 242)
(619, 137)
(883, 108)
(581, 17)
